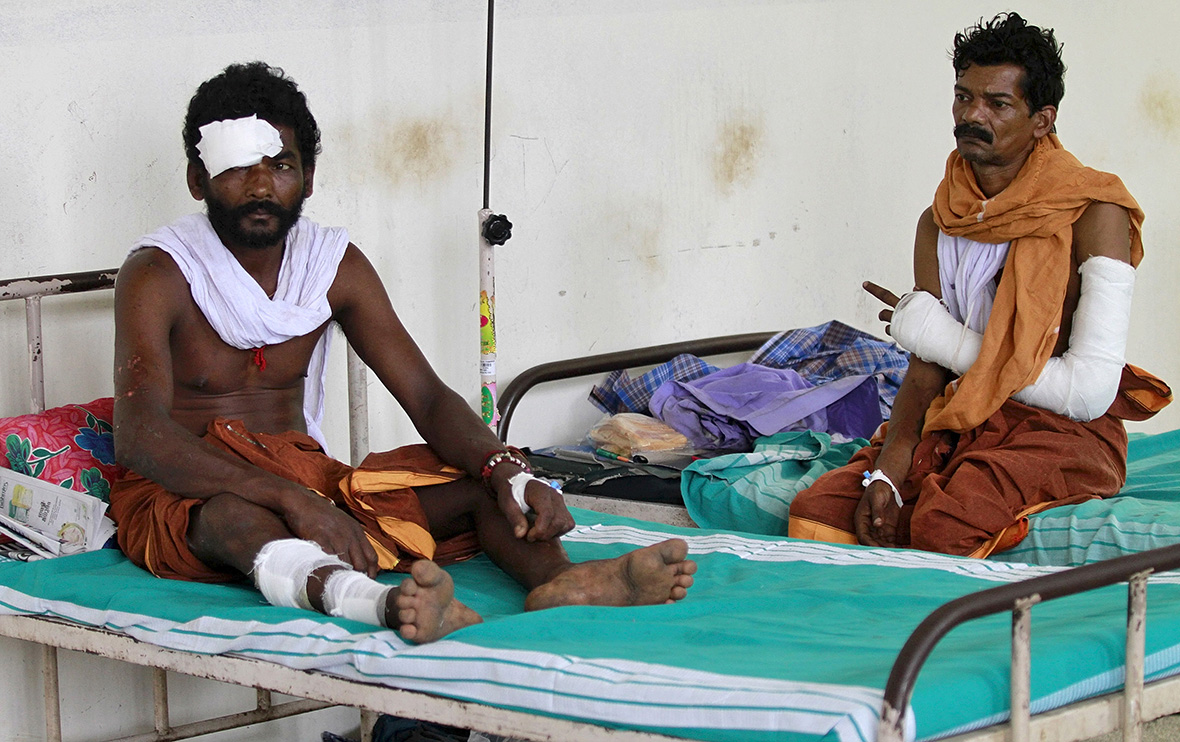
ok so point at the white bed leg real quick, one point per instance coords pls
(52, 697)
(1021, 667)
(160, 699)
(1133, 672)
(368, 719)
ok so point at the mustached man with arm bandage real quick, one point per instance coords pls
(221, 335)
(1017, 388)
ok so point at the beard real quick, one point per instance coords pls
(229, 222)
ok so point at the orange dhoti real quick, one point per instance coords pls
(970, 493)
(153, 523)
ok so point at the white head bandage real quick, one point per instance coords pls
(234, 143)
(282, 568)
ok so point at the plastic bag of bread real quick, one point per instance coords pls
(628, 433)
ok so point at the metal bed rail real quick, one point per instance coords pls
(1019, 598)
(587, 365)
(31, 291)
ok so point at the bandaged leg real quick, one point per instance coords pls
(354, 595)
(1080, 384)
(282, 568)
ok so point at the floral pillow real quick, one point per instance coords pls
(71, 446)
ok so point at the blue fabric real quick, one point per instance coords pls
(834, 350)
(752, 492)
(726, 410)
(621, 393)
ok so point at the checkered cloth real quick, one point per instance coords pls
(834, 350)
(621, 393)
(819, 354)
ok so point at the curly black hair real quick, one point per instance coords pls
(1009, 39)
(253, 88)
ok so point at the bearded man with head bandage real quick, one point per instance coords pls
(221, 335)
(1017, 388)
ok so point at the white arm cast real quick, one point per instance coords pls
(1080, 384)
(924, 326)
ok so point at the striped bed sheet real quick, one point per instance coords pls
(1144, 515)
(753, 491)
(779, 640)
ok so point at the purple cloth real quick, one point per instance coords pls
(620, 393)
(726, 410)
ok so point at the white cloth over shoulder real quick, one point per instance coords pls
(1080, 384)
(967, 273)
(241, 312)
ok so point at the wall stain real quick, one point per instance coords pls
(1159, 101)
(420, 150)
(735, 158)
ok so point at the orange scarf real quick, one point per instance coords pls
(1035, 213)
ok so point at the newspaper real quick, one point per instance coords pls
(14, 551)
(48, 520)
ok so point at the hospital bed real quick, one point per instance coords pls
(778, 640)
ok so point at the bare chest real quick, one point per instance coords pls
(203, 362)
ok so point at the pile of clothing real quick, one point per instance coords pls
(831, 378)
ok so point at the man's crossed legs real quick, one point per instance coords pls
(227, 531)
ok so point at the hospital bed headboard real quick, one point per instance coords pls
(33, 289)
(623, 359)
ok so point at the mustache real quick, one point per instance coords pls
(967, 130)
(253, 206)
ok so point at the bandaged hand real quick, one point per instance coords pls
(1080, 384)
(523, 495)
(877, 516)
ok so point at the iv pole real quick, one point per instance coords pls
(494, 229)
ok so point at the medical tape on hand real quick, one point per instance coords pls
(356, 596)
(282, 568)
(234, 143)
(879, 476)
(518, 482)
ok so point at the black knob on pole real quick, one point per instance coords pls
(497, 229)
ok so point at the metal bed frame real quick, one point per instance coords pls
(1076, 722)
(1085, 719)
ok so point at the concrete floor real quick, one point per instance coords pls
(1165, 729)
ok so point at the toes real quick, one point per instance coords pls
(426, 573)
(673, 550)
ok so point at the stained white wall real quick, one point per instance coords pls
(692, 168)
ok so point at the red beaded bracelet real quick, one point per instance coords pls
(495, 458)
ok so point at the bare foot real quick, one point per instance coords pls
(661, 573)
(423, 608)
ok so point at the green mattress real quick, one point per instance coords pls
(778, 640)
